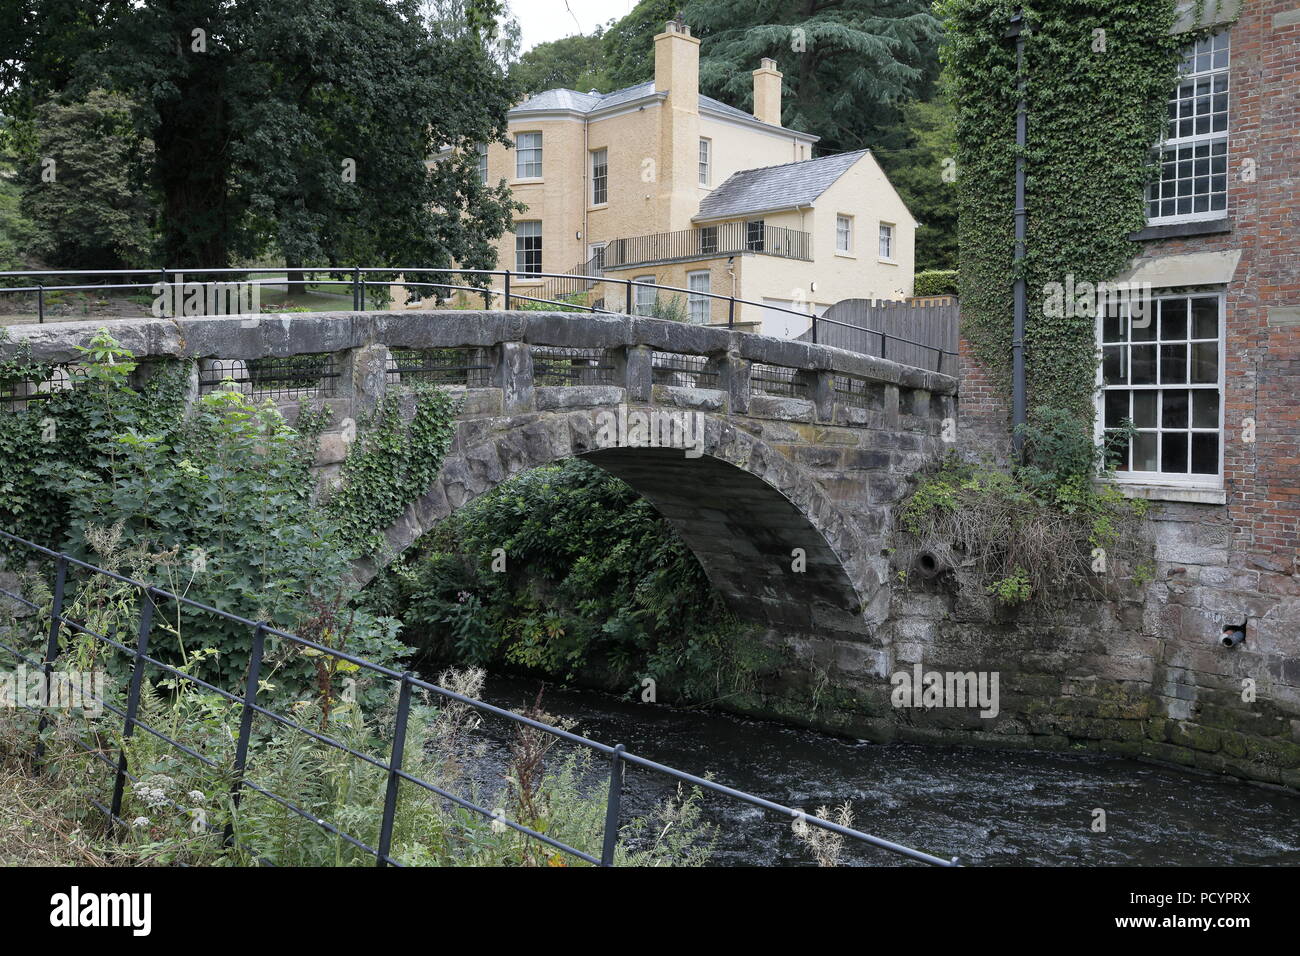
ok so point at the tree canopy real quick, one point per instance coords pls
(301, 128)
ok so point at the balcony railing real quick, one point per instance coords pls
(724, 239)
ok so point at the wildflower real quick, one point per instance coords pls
(197, 796)
(140, 822)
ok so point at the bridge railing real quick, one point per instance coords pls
(494, 285)
(150, 598)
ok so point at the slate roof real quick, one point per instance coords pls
(776, 187)
(562, 99)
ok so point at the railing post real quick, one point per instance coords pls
(507, 290)
(731, 312)
(132, 702)
(814, 325)
(394, 765)
(356, 288)
(883, 339)
(629, 295)
(40, 304)
(245, 728)
(167, 296)
(613, 806)
(52, 647)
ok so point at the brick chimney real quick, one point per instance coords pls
(677, 73)
(767, 93)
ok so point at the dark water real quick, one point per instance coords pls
(1000, 808)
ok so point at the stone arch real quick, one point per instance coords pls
(742, 507)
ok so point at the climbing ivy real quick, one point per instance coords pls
(392, 463)
(1099, 74)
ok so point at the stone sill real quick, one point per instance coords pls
(1189, 494)
(1175, 230)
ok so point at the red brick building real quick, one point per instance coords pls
(1212, 381)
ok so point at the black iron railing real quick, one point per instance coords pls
(493, 285)
(723, 239)
(141, 659)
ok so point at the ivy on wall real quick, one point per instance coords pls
(1098, 76)
(392, 463)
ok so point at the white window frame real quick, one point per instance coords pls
(887, 236)
(846, 233)
(645, 297)
(1214, 52)
(597, 250)
(603, 178)
(524, 232)
(699, 308)
(1188, 479)
(528, 158)
(482, 160)
(705, 160)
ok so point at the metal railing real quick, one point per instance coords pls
(150, 597)
(873, 342)
(724, 239)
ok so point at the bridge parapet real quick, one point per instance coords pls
(534, 359)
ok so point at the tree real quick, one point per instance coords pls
(304, 126)
(848, 64)
(575, 63)
(629, 43)
(924, 173)
(84, 195)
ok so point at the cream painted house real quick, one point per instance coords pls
(660, 184)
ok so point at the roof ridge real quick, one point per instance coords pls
(800, 162)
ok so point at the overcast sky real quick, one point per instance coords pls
(543, 20)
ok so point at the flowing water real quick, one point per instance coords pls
(1002, 808)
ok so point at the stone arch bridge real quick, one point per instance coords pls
(781, 473)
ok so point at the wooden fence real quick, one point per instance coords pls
(855, 325)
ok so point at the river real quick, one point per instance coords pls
(990, 808)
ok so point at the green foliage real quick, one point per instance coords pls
(15, 228)
(392, 463)
(1093, 118)
(861, 58)
(574, 63)
(177, 808)
(1047, 529)
(257, 131)
(595, 585)
(629, 42)
(215, 504)
(936, 282)
(919, 158)
(90, 208)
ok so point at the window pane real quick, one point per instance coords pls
(1112, 366)
(1142, 324)
(1205, 408)
(1173, 319)
(1205, 318)
(1173, 452)
(1144, 409)
(1115, 326)
(1173, 412)
(1144, 451)
(1205, 454)
(1205, 362)
(1173, 363)
(1144, 365)
(1116, 408)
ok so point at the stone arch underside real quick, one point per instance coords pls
(742, 508)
